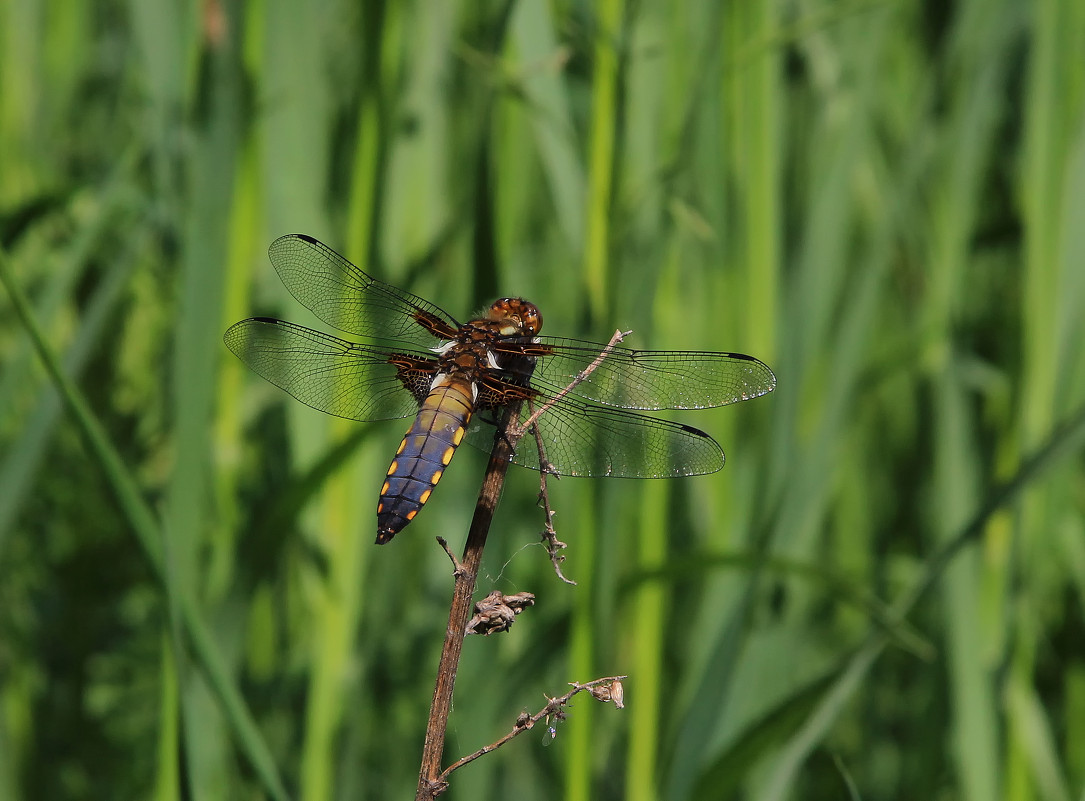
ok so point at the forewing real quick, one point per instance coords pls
(330, 374)
(647, 379)
(346, 297)
(581, 439)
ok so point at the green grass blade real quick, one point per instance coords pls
(146, 529)
(1064, 442)
(23, 459)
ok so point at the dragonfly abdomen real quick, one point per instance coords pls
(423, 455)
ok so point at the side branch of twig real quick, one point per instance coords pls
(457, 566)
(605, 689)
(554, 546)
(517, 431)
(550, 535)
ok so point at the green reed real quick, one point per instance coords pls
(880, 200)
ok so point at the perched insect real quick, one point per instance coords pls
(418, 361)
(549, 736)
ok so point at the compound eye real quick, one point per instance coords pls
(532, 320)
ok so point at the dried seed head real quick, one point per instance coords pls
(614, 691)
(617, 694)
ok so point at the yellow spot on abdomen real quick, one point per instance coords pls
(446, 457)
(458, 436)
(393, 467)
(402, 445)
(424, 496)
(437, 476)
(384, 490)
(410, 515)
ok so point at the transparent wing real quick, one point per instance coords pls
(346, 297)
(647, 379)
(330, 374)
(580, 439)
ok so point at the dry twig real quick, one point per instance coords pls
(550, 535)
(609, 689)
(431, 782)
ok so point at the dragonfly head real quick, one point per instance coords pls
(518, 316)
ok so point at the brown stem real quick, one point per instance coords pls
(430, 783)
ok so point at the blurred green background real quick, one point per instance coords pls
(880, 596)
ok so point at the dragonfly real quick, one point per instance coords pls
(460, 380)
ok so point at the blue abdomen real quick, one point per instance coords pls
(423, 456)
